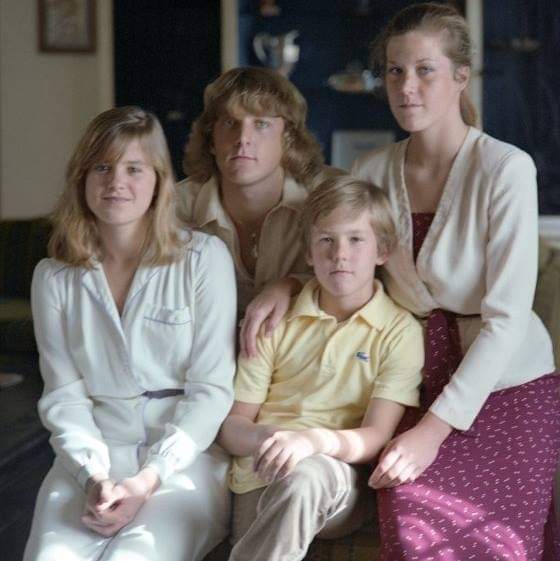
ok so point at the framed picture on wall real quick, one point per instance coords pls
(67, 26)
(347, 145)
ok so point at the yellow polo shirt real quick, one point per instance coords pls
(316, 372)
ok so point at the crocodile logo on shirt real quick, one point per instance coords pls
(364, 357)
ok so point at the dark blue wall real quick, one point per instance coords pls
(521, 87)
(331, 34)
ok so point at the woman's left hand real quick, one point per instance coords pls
(133, 493)
(408, 455)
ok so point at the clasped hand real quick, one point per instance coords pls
(406, 457)
(110, 506)
(279, 454)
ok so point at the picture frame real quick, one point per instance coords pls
(347, 145)
(67, 26)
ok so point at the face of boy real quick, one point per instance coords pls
(248, 148)
(343, 252)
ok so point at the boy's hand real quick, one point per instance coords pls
(263, 433)
(408, 455)
(280, 453)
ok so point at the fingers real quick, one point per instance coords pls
(107, 495)
(103, 528)
(387, 459)
(250, 329)
(107, 500)
(273, 460)
(394, 475)
(274, 318)
(394, 469)
(407, 475)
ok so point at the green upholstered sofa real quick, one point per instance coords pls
(23, 244)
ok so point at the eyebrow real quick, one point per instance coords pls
(350, 232)
(425, 59)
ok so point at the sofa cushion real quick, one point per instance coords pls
(16, 326)
(23, 243)
(547, 293)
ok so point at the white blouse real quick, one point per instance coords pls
(479, 257)
(176, 331)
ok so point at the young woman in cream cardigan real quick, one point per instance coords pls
(472, 475)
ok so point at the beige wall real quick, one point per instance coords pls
(46, 100)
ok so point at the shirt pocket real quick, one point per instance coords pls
(167, 333)
(168, 316)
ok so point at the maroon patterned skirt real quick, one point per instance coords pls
(488, 494)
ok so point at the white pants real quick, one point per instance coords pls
(182, 521)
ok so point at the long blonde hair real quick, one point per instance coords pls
(432, 18)
(259, 91)
(75, 238)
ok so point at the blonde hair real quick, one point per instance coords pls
(259, 91)
(342, 189)
(75, 239)
(432, 18)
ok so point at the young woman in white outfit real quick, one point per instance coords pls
(135, 324)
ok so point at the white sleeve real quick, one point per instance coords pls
(209, 378)
(511, 275)
(65, 407)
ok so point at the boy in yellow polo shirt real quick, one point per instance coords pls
(327, 389)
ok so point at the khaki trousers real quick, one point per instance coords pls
(322, 496)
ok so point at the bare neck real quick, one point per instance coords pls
(249, 204)
(123, 244)
(436, 149)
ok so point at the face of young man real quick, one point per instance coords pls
(343, 252)
(248, 148)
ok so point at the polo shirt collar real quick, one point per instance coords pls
(375, 313)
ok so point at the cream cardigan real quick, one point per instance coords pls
(479, 257)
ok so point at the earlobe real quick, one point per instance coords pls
(382, 259)
(462, 76)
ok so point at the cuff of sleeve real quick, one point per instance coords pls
(460, 420)
(411, 399)
(162, 466)
(249, 397)
(166, 461)
(89, 470)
